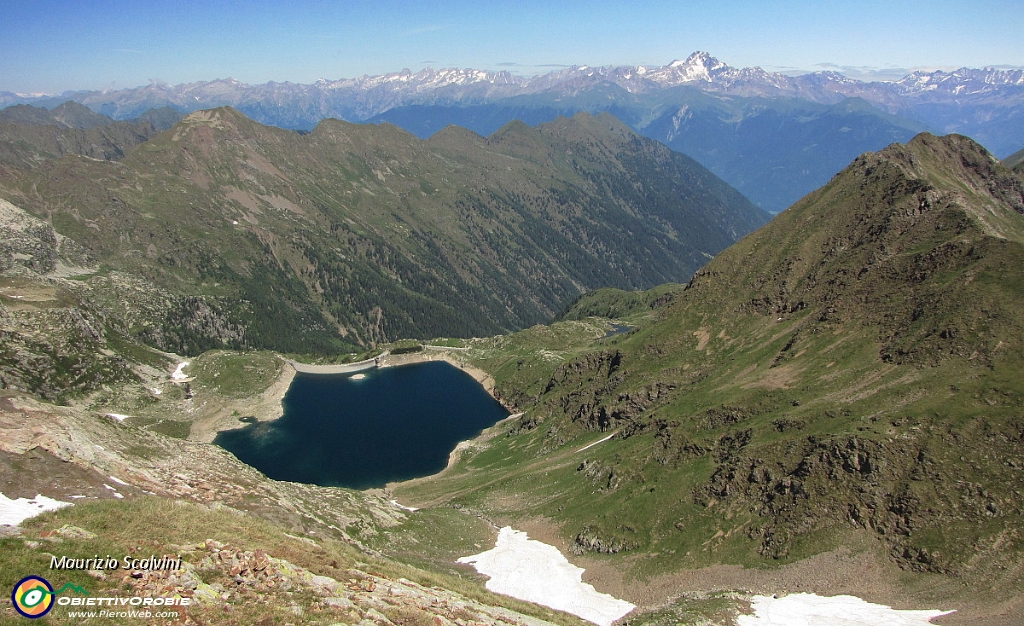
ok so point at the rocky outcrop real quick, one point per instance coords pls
(587, 390)
(895, 488)
(57, 352)
(219, 578)
(32, 244)
(593, 539)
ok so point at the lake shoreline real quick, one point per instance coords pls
(398, 423)
(267, 407)
(479, 375)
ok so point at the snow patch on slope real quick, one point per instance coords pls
(14, 512)
(536, 572)
(807, 609)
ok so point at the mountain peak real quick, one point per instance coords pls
(698, 67)
(26, 114)
(988, 188)
(889, 221)
(951, 171)
(213, 116)
(221, 118)
(76, 115)
(700, 57)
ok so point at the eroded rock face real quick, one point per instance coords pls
(55, 352)
(31, 243)
(592, 539)
(869, 484)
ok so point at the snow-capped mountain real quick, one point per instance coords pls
(963, 81)
(773, 136)
(357, 99)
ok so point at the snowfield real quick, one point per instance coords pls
(808, 609)
(536, 572)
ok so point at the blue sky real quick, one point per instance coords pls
(52, 46)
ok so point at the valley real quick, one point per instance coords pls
(705, 407)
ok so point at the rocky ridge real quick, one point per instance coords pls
(30, 135)
(255, 578)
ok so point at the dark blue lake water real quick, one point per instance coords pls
(396, 423)
(617, 329)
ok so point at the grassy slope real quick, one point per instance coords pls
(1014, 160)
(855, 365)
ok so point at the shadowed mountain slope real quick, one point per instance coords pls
(773, 150)
(1015, 161)
(361, 234)
(30, 135)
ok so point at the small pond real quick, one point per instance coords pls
(617, 329)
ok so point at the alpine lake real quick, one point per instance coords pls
(365, 430)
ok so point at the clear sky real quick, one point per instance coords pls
(54, 45)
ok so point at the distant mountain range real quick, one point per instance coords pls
(774, 137)
(364, 97)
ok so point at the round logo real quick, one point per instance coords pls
(32, 597)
